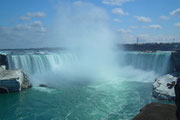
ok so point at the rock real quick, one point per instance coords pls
(177, 92)
(13, 81)
(163, 87)
(43, 85)
(157, 111)
(4, 61)
(176, 60)
(4, 90)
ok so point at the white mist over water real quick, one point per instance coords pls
(83, 29)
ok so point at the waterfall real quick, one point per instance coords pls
(159, 62)
(37, 62)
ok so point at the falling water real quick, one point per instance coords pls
(90, 81)
(158, 62)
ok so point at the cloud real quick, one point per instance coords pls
(36, 14)
(142, 36)
(30, 15)
(119, 11)
(78, 3)
(134, 27)
(147, 38)
(177, 24)
(143, 19)
(164, 17)
(25, 18)
(36, 26)
(175, 12)
(116, 20)
(124, 30)
(160, 38)
(23, 35)
(155, 26)
(115, 2)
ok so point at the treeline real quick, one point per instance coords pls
(151, 47)
(127, 47)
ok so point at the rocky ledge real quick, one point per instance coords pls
(157, 111)
(163, 87)
(13, 80)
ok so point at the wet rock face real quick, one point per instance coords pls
(176, 60)
(13, 81)
(171, 85)
(177, 92)
(4, 90)
(163, 87)
(25, 84)
(4, 61)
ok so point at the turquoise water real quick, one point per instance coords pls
(80, 92)
(77, 101)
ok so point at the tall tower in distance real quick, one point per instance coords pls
(137, 40)
(174, 40)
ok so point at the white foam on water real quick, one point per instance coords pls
(45, 89)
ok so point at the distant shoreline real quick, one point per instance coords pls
(145, 47)
(151, 47)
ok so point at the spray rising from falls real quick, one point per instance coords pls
(83, 29)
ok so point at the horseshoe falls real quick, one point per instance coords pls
(158, 62)
(78, 92)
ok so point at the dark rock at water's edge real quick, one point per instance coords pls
(13, 81)
(163, 87)
(4, 90)
(43, 85)
(176, 60)
(4, 61)
(157, 111)
(177, 92)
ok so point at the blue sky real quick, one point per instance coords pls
(26, 23)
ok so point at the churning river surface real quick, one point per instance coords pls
(81, 97)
